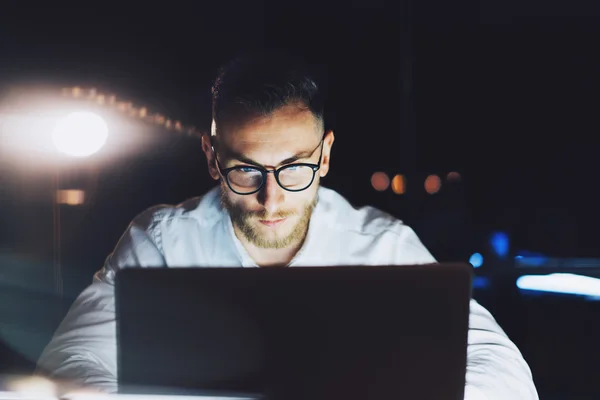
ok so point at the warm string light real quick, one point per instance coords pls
(127, 107)
(380, 181)
(433, 184)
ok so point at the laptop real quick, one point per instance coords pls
(294, 333)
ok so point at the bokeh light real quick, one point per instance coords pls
(433, 184)
(80, 134)
(380, 181)
(565, 283)
(399, 184)
(500, 243)
(476, 260)
(453, 177)
(71, 197)
(32, 387)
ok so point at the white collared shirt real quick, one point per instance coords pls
(199, 232)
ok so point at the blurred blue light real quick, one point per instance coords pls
(481, 282)
(476, 260)
(526, 258)
(563, 283)
(527, 253)
(500, 243)
(532, 262)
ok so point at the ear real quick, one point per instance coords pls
(210, 157)
(326, 157)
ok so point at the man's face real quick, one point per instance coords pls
(272, 217)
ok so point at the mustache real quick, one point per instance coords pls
(263, 214)
(237, 212)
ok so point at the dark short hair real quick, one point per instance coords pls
(260, 83)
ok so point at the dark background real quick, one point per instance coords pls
(505, 93)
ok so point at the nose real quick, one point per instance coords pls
(271, 196)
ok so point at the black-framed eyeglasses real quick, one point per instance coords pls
(245, 179)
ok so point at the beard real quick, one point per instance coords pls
(247, 221)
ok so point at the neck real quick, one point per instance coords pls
(269, 257)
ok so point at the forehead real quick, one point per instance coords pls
(287, 129)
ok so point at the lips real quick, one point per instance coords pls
(272, 222)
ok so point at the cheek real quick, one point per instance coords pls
(301, 200)
(243, 203)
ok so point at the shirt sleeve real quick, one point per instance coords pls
(83, 350)
(496, 369)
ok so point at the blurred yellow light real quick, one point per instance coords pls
(33, 387)
(191, 130)
(70, 197)
(380, 181)
(124, 106)
(433, 183)
(399, 184)
(453, 176)
(143, 112)
(80, 134)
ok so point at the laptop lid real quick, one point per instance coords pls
(295, 333)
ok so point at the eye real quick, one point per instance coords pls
(246, 169)
(292, 167)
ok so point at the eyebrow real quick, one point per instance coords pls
(240, 157)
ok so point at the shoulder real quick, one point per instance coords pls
(202, 211)
(341, 215)
(149, 239)
(368, 230)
